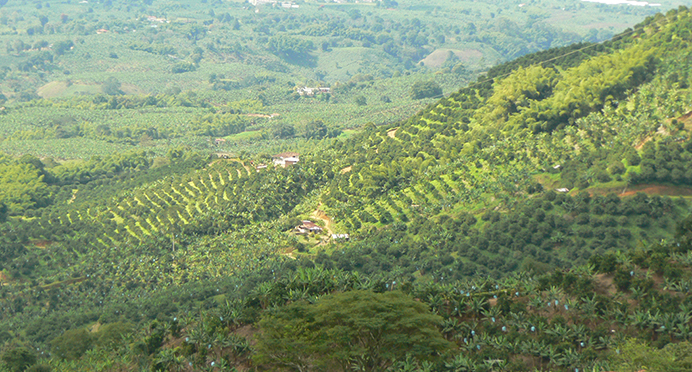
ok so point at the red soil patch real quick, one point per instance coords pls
(42, 243)
(666, 190)
(658, 190)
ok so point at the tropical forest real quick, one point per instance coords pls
(342, 185)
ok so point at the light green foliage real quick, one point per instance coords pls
(516, 92)
(111, 335)
(636, 355)
(72, 344)
(21, 186)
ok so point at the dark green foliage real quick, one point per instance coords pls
(18, 358)
(291, 48)
(283, 131)
(182, 67)
(329, 332)
(425, 89)
(40, 368)
(111, 87)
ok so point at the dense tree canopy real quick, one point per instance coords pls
(359, 330)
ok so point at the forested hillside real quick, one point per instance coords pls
(536, 219)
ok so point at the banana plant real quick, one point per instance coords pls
(460, 363)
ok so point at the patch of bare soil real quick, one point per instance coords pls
(659, 190)
(289, 254)
(42, 243)
(247, 331)
(262, 115)
(320, 215)
(687, 120)
(346, 170)
(392, 133)
(604, 284)
(642, 143)
(439, 56)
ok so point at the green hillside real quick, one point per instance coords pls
(82, 79)
(536, 219)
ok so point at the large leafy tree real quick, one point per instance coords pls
(359, 330)
(17, 359)
(425, 89)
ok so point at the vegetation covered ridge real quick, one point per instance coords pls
(185, 260)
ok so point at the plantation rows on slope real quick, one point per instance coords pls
(598, 316)
(196, 251)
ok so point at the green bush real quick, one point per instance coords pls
(72, 344)
(18, 358)
(425, 89)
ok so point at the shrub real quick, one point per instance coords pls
(72, 344)
(425, 89)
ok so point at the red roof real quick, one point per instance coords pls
(286, 155)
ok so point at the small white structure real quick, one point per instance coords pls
(285, 159)
(562, 189)
(340, 237)
(309, 91)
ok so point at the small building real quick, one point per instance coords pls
(340, 237)
(308, 227)
(261, 166)
(562, 189)
(310, 91)
(286, 158)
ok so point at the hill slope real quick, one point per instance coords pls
(530, 170)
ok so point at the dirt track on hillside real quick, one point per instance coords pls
(658, 190)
